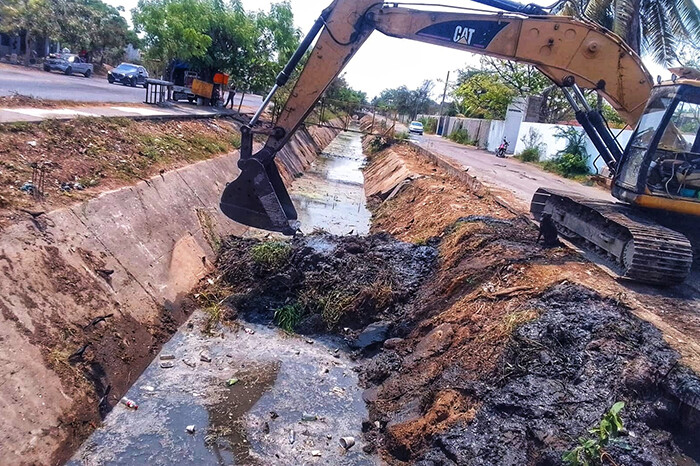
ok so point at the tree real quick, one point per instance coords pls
(32, 17)
(650, 27)
(406, 102)
(482, 94)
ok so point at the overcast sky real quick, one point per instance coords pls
(385, 62)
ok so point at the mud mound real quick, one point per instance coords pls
(558, 377)
(321, 282)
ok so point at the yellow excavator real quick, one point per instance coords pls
(656, 177)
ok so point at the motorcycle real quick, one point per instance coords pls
(501, 151)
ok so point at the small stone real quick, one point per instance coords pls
(167, 365)
(309, 341)
(148, 388)
(250, 331)
(316, 453)
(204, 357)
(167, 357)
(309, 417)
(274, 415)
(190, 429)
(266, 428)
(190, 363)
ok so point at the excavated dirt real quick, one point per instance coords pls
(478, 345)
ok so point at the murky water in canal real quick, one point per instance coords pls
(264, 397)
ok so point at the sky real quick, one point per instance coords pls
(386, 62)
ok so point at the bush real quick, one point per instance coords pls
(429, 125)
(461, 136)
(533, 146)
(573, 159)
(531, 154)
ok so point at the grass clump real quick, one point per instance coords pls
(288, 316)
(271, 255)
(531, 154)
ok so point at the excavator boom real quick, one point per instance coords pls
(570, 52)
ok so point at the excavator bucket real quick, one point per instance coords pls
(258, 198)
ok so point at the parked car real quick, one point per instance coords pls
(416, 127)
(68, 63)
(128, 74)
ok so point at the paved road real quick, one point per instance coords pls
(520, 179)
(57, 86)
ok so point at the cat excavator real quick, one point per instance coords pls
(656, 177)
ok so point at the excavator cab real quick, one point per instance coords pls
(660, 168)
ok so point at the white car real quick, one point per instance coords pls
(416, 127)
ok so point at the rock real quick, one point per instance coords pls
(167, 357)
(190, 429)
(309, 417)
(316, 453)
(435, 342)
(373, 334)
(392, 343)
(167, 365)
(204, 357)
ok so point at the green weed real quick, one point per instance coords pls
(591, 451)
(271, 255)
(461, 136)
(287, 317)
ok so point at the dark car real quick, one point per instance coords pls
(128, 74)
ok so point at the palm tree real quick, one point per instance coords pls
(651, 27)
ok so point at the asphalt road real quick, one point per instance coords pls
(57, 86)
(508, 174)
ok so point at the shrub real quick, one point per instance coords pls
(573, 159)
(533, 146)
(429, 125)
(531, 154)
(572, 164)
(461, 136)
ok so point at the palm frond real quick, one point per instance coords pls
(624, 14)
(658, 39)
(690, 16)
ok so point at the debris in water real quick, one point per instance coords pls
(274, 415)
(316, 453)
(292, 437)
(309, 341)
(190, 363)
(231, 382)
(131, 404)
(167, 365)
(190, 429)
(266, 428)
(167, 357)
(204, 357)
(249, 331)
(347, 442)
(309, 417)
(148, 388)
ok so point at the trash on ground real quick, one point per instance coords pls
(347, 442)
(189, 362)
(190, 429)
(148, 388)
(131, 404)
(250, 331)
(316, 453)
(167, 357)
(231, 382)
(292, 436)
(167, 365)
(309, 417)
(204, 357)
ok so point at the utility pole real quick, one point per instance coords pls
(444, 95)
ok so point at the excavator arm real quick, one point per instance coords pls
(573, 53)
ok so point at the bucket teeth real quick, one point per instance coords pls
(258, 198)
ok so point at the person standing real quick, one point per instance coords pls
(231, 95)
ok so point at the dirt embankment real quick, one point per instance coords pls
(89, 292)
(480, 347)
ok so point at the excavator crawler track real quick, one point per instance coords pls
(648, 252)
